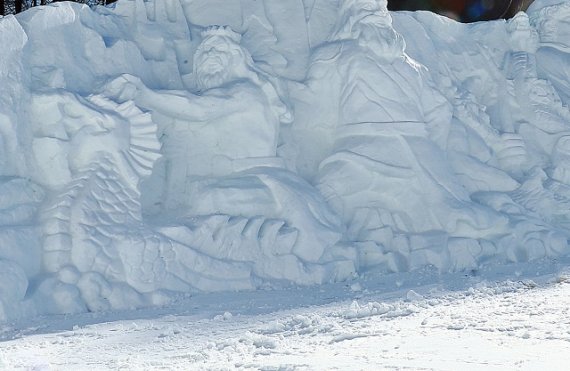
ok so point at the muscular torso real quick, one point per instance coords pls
(235, 124)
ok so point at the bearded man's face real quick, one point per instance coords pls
(364, 8)
(213, 62)
(380, 38)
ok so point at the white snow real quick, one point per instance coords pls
(519, 325)
(154, 149)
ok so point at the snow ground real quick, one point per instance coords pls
(455, 322)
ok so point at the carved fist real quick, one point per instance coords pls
(123, 88)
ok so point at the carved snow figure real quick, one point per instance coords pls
(224, 182)
(478, 152)
(553, 25)
(100, 252)
(520, 65)
(508, 151)
(91, 154)
(543, 123)
(539, 115)
(384, 173)
(113, 193)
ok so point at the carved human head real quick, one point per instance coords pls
(219, 57)
(522, 36)
(352, 12)
(362, 6)
(553, 25)
(369, 22)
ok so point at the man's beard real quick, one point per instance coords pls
(387, 44)
(207, 80)
(212, 71)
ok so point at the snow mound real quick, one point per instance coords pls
(161, 147)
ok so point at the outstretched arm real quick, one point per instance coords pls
(181, 105)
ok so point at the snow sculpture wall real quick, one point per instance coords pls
(159, 147)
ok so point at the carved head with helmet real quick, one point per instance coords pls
(220, 58)
(369, 22)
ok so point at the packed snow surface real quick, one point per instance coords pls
(155, 148)
(514, 325)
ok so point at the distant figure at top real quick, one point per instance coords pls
(381, 165)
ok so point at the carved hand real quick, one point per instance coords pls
(124, 88)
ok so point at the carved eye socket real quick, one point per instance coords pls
(539, 91)
(367, 5)
(216, 48)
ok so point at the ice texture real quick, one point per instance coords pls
(152, 148)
